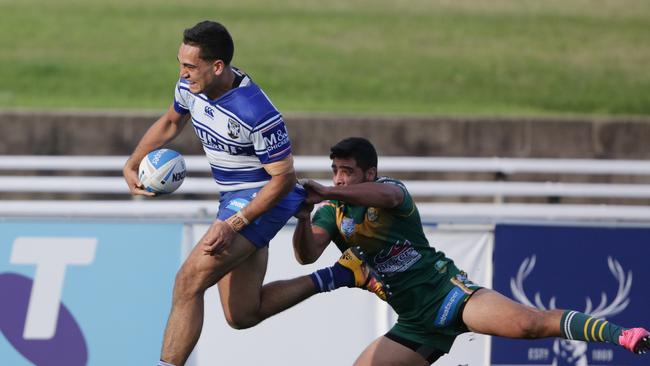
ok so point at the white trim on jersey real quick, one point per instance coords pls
(267, 123)
(223, 160)
(235, 169)
(236, 186)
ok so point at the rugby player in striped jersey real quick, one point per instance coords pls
(247, 145)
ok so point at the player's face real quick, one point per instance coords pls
(200, 74)
(346, 172)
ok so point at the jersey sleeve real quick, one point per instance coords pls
(407, 207)
(325, 217)
(181, 105)
(271, 139)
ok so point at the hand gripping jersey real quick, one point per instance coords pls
(239, 131)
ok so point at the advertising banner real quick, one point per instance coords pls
(470, 246)
(327, 329)
(596, 270)
(333, 328)
(85, 293)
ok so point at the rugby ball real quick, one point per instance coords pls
(162, 171)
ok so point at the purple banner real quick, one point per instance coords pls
(600, 271)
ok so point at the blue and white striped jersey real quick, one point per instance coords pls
(240, 131)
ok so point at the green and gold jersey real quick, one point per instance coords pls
(395, 245)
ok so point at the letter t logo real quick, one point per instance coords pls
(50, 255)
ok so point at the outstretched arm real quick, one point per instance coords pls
(164, 130)
(370, 194)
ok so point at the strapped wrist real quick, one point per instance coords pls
(237, 221)
(241, 215)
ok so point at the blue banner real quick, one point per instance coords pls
(601, 271)
(85, 293)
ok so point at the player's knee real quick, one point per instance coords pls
(186, 284)
(531, 324)
(242, 321)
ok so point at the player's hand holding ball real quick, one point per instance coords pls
(162, 171)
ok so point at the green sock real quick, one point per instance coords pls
(582, 327)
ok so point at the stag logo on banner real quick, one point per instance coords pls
(568, 352)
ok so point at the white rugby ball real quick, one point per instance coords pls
(162, 171)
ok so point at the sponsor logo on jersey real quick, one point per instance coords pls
(397, 258)
(276, 139)
(372, 214)
(233, 128)
(441, 266)
(237, 204)
(347, 227)
(209, 111)
(462, 282)
(212, 142)
(449, 307)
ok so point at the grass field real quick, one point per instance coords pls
(455, 57)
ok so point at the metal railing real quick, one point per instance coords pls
(70, 175)
(308, 164)
(303, 163)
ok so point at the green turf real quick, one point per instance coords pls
(455, 57)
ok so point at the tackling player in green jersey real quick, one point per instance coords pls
(376, 224)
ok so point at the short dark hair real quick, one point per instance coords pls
(213, 40)
(358, 148)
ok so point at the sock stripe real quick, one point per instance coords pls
(564, 325)
(330, 278)
(586, 333)
(320, 281)
(567, 325)
(582, 327)
(593, 329)
(600, 333)
(330, 285)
